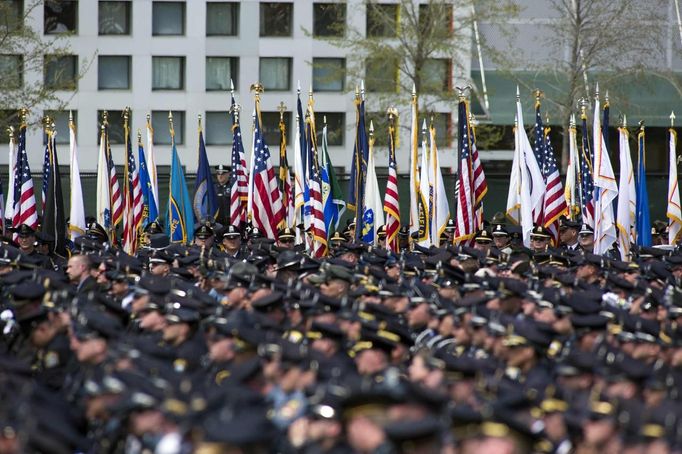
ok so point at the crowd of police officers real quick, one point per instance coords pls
(238, 344)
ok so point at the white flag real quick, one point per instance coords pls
(674, 213)
(627, 197)
(425, 190)
(77, 215)
(103, 194)
(9, 206)
(513, 211)
(151, 163)
(441, 210)
(373, 205)
(605, 189)
(414, 176)
(532, 183)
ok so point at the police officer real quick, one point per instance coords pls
(223, 192)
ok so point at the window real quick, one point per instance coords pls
(443, 125)
(380, 122)
(382, 20)
(114, 18)
(222, 19)
(435, 75)
(14, 20)
(61, 72)
(329, 74)
(168, 18)
(336, 127)
(275, 73)
(12, 71)
(161, 127)
(168, 73)
(329, 19)
(381, 75)
(436, 18)
(272, 134)
(219, 71)
(61, 16)
(276, 19)
(8, 118)
(60, 118)
(115, 121)
(218, 128)
(113, 72)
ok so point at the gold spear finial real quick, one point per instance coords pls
(282, 108)
(199, 121)
(170, 123)
(105, 118)
(257, 88)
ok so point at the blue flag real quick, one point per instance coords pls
(180, 227)
(643, 221)
(358, 175)
(332, 200)
(205, 198)
(150, 212)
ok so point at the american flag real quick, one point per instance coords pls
(480, 183)
(133, 203)
(317, 224)
(24, 198)
(267, 202)
(555, 198)
(465, 223)
(392, 199)
(114, 190)
(586, 182)
(239, 180)
(540, 154)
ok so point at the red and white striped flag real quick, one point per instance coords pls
(114, 190)
(555, 198)
(133, 203)
(25, 211)
(267, 201)
(239, 180)
(480, 183)
(465, 224)
(392, 198)
(317, 224)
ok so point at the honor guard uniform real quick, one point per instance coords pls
(222, 190)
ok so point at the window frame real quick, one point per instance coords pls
(160, 139)
(318, 63)
(234, 71)
(20, 84)
(128, 14)
(334, 33)
(47, 59)
(262, 18)
(235, 20)
(183, 69)
(183, 5)
(289, 60)
(46, 18)
(128, 58)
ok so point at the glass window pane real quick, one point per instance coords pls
(61, 72)
(218, 128)
(329, 19)
(61, 16)
(115, 122)
(441, 121)
(329, 74)
(11, 71)
(275, 73)
(161, 129)
(113, 72)
(276, 19)
(436, 17)
(168, 73)
(380, 122)
(60, 118)
(168, 18)
(336, 127)
(219, 71)
(15, 16)
(8, 118)
(382, 20)
(435, 75)
(114, 18)
(381, 75)
(222, 19)
(272, 134)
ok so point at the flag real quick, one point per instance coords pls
(555, 200)
(316, 208)
(151, 163)
(103, 187)
(46, 174)
(205, 198)
(132, 196)
(532, 184)
(570, 190)
(465, 224)
(643, 220)
(267, 202)
(480, 182)
(416, 205)
(332, 197)
(605, 187)
(284, 176)
(24, 197)
(115, 191)
(373, 209)
(54, 223)
(539, 144)
(150, 211)
(239, 179)
(300, 179)
(425, 191)
(586, 182)
(180, 217)
(674, 213)
(9, 206)
(77, 208)
(513, 210)
(358, 174)
(440, 213)
(392, 197)
(627, 197)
